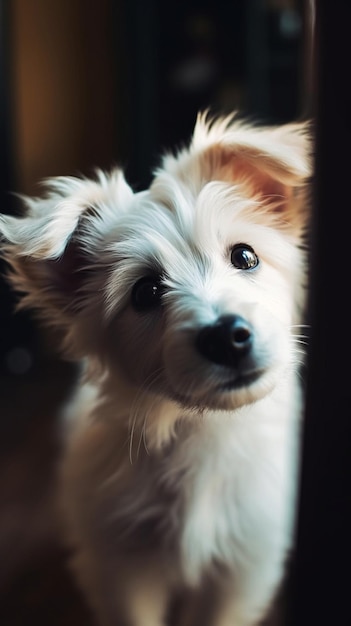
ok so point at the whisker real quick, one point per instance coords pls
(133, 416)
(135, 410)
(142, 437)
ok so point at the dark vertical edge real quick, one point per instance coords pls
(321, 575)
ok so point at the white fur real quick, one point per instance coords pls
(173, 482)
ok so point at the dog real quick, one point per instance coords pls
(184, 305)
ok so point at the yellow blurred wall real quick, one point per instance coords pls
(63, 81)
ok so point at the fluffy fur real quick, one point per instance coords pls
(180, 473)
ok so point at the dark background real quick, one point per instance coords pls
(99, 83)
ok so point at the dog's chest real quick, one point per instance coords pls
(215, 482)
(228, 489)
(219, 494)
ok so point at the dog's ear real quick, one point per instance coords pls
(54, 252)
(272, 163)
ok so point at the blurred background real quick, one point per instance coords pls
(99, 83)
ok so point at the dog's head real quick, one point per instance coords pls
(188, 290)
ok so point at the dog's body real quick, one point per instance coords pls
(183, 302)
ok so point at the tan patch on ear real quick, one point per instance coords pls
(261, 177)
(269, 180)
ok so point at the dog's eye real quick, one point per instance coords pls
(244, 257)
(146, 293)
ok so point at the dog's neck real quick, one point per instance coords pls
(155, 420)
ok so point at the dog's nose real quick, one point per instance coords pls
(226, 341)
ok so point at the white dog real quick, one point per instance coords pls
(183, 302)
